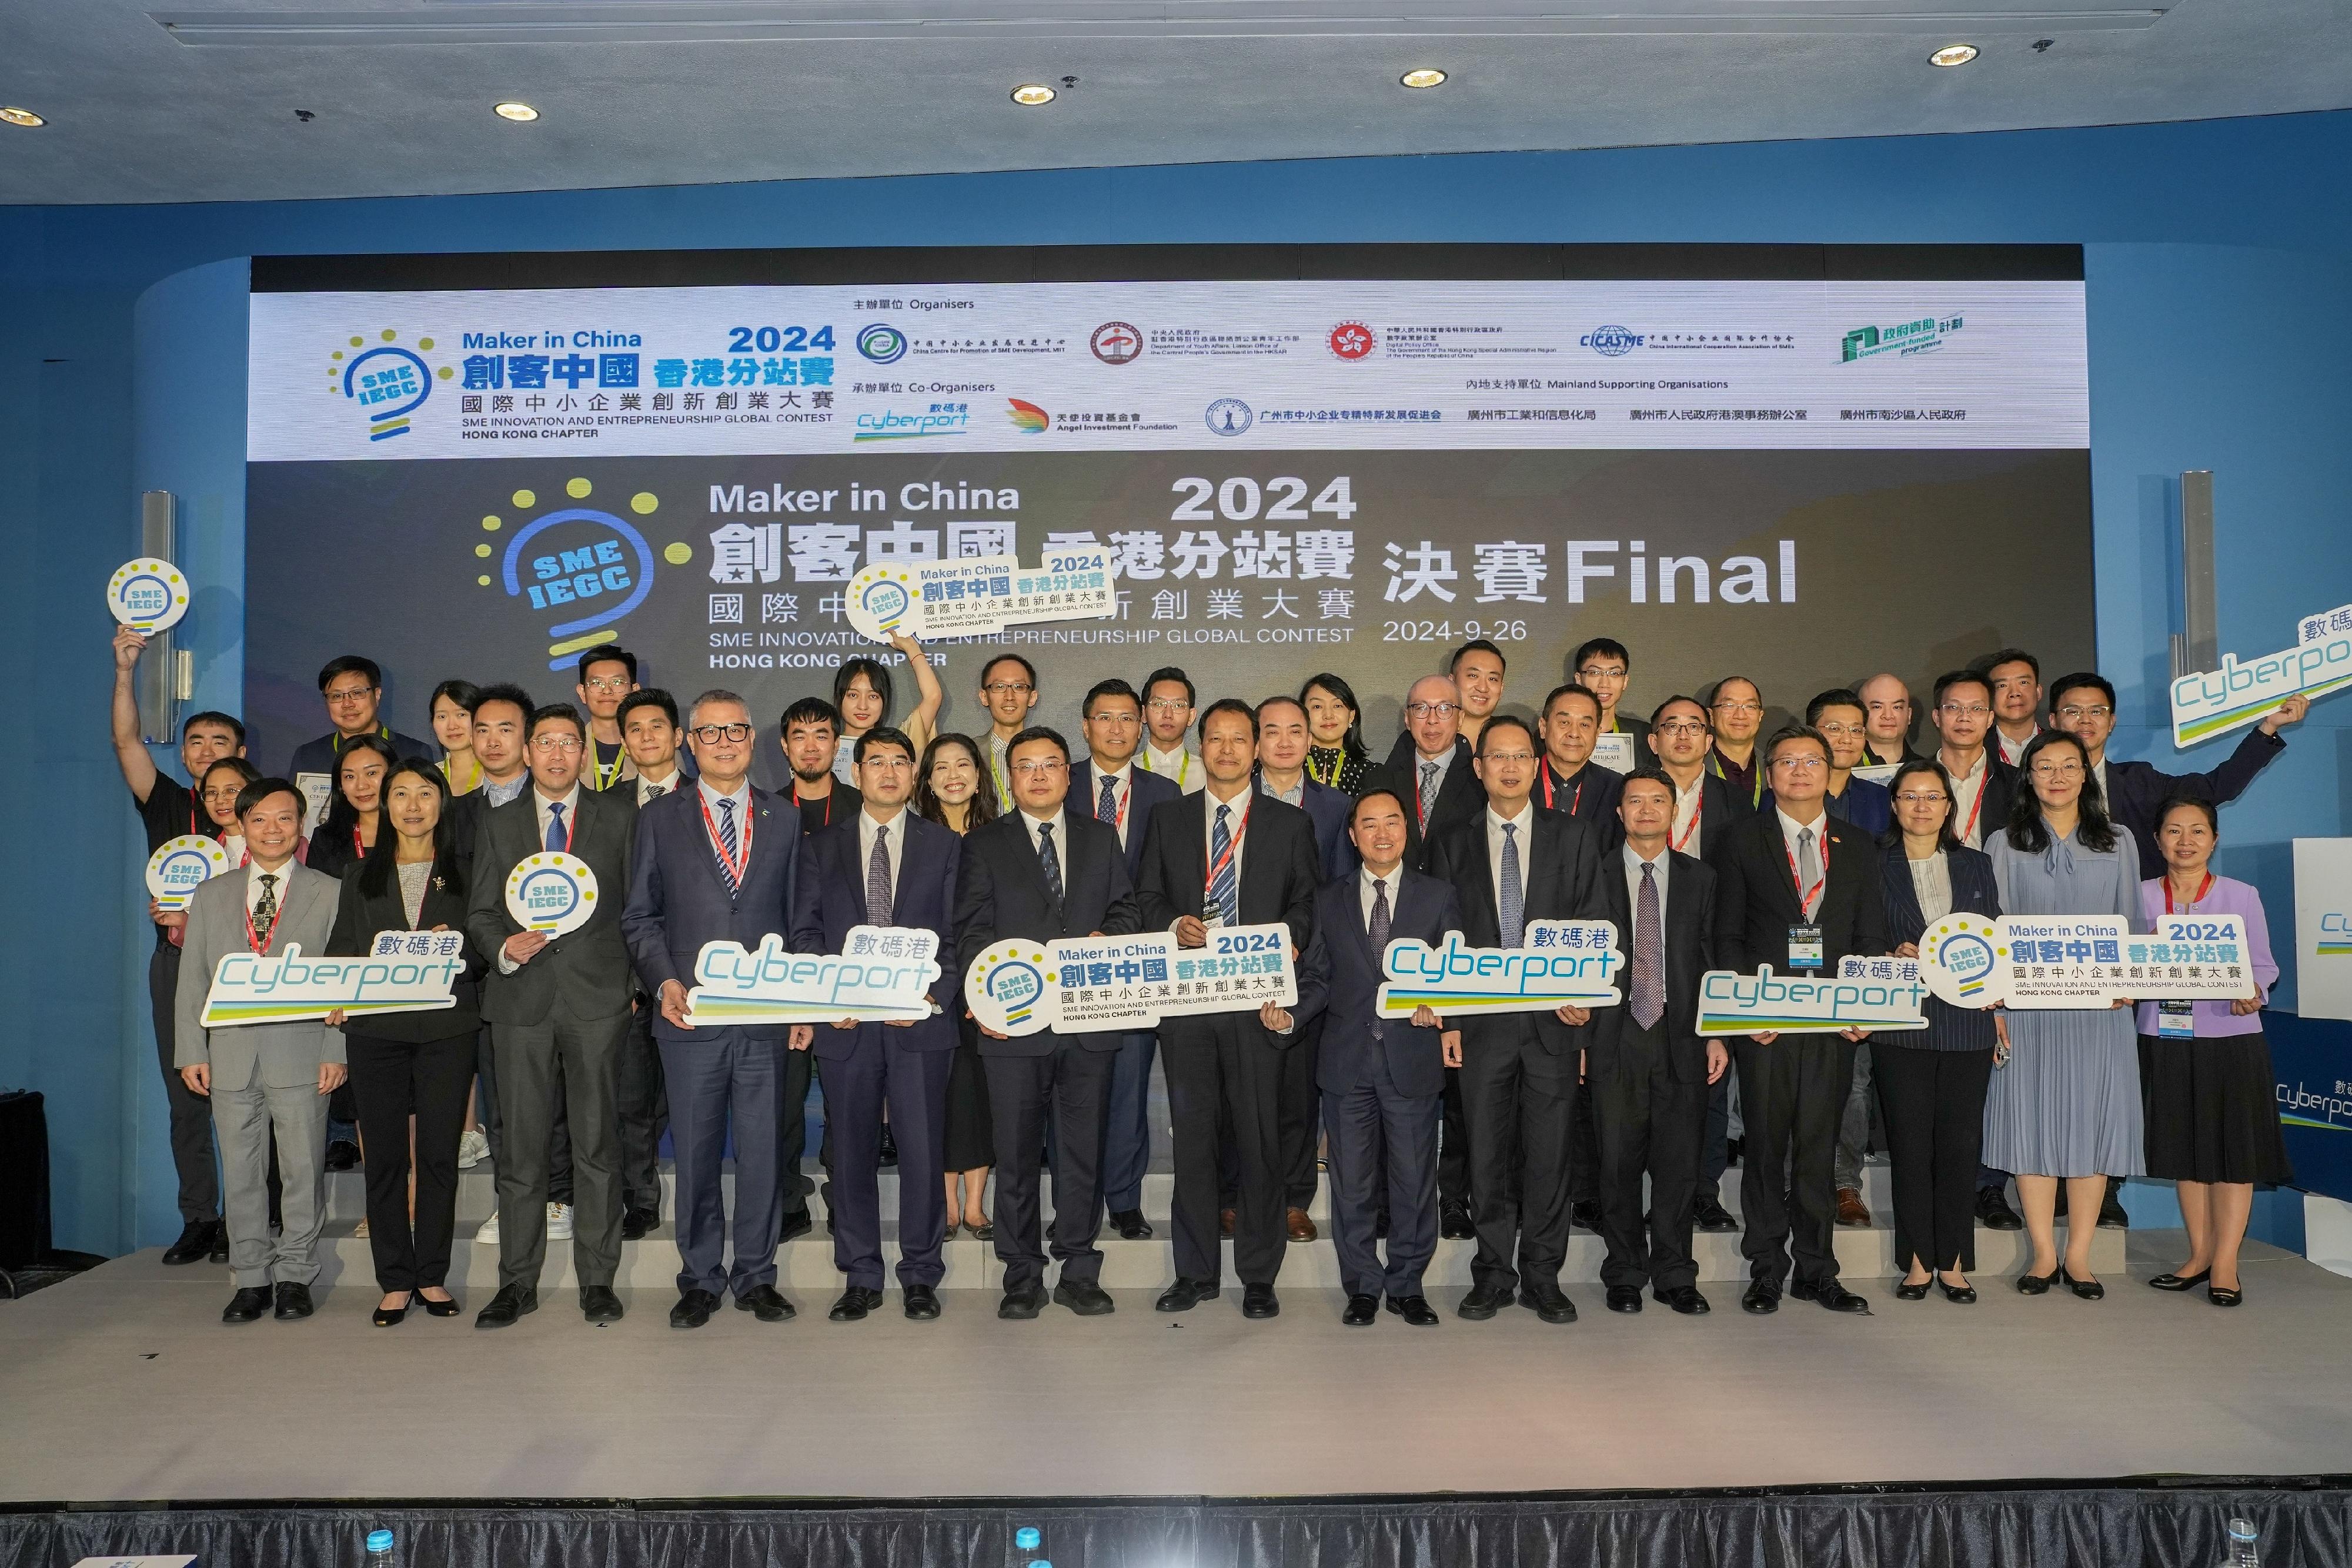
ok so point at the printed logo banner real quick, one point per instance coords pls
(931, 599)
(1099, 984)
(2039, 962)
(1883, 995)
(180, 866)
(2322, 928)
(882, 973)
(2218, 701)
(552, 893)
(403, 971)
(1563, 963)
(147, 595)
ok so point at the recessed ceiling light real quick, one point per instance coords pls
(24, 117)
(520, 112)
(1953, 55)
(1031, 94)
(1427, 76)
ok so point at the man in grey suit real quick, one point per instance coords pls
(558, 1008)
(263, 1078)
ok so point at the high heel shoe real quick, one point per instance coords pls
(1959, 1295)
(2223, 1296)
(2038, 1284)
(448, 1309)
(1905, 1291)
(2180, 1282)
(2088, 1289)
(386, 1317)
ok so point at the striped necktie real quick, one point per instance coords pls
(1225, 885)
(1050, 863)
(727, 841)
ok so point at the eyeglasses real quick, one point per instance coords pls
(1966, 710)
(607, 683)
(712, 734)
(1591, 673)
(1682, 727)
(556, 743)
(223, 796)
(1507, 757)
(1924, 798)
(1800, 762)
(1036, 768)
(1432, 710)
(349, 694)
(1120, 717)
(1738, 707)
(1168, 704)
(1008, 688)
(2057, 771)
(1839, 728)
(2071, 713)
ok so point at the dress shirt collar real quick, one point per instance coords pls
(499, 794)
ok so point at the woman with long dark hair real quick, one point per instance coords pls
(452, 708)
(863, 693)
(354, 811)
(1931, 1084)
(1335, 757)
(949, 789)
(2066, 1107)
(411, 1072)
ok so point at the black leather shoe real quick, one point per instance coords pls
(509, 1304)
(1760, 1296)
(1625, 1299)
(1454, 1223)
(692, 1309)
(343, 1155)
(389, 1317)
(1709, 1214)
(1185, 1294)
(1959, 1295)
(1828, 1294)
(1483, 1302)
(1416, 1310)
(196, 1240)
(1257, 1301)
(796, 1223)
(1585, 1215)
(1549, 1301)
(219, 1252)
(293, 1303)
(599, 1305)
(2223, 1296)
(854, 1304)
(1993, 1211)
(2168, 1281)
(246, 1305)
(2088, 1289)
(767, 1303)
(1083, 1297)
(2111, 1207)
(1907, 1292)
(2036, 1284)
(1361, 1310)
(1023, 1305)
(636, 1224)
(434, 1308)
(1130, 1224)
(888, 1159)
(922, 1303)
(1684, 1298)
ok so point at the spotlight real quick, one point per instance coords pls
(1953, 55)
(520, 113)
(1030, 95)
(24, 117)
(1426, 75)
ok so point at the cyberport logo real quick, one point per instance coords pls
(588, 566)
(385, 381)
(1611, 342)
(1924, 336)
(895, 424)
(882, 343)
(1027, 417)
(2335, 935)
(1351, 340)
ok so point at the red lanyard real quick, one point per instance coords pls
(1121, 793)
(1573, 800)
(739, 864)
(796, 803)
(2203, 889)
(1984, 776)
(1696, 812)
(1805, 896)
(260, 941)
(359, 849)
(1233, 847)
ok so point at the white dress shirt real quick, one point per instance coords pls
(1931, 882)
(571, 804)
(1689, 828)
(1968, 798)
(2011, 750)
(1236, 824)
(253, 873)
(1443, 760)
(1122, 787)
(1059, 822)
(2099, 771)
(647, 789)
(894, 848)
(1364, 895)
(1633, 864)
(1820, 828)
(1524, 826)
(1179, 765)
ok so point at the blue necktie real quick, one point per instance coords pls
(559, 837)
(1514, 911)
(728, 840)
(1224, 886)
(1050, 863)
(1107, 809)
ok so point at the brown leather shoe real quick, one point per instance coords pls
(1302, 1227)
(1852, 1210)
(1225, 1222)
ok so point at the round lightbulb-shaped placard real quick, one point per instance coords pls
(552, 893)
(147, 595)
(183, 865)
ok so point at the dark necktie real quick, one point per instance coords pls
(1050, 863)
(727, 841)
(559, 837)
(1428, 791)
(877, 880)
(265, 908)
(652, 790)
(1107, 809)
(1378, 930)
(1224, 884)
(1514, 910)
(1649, 953)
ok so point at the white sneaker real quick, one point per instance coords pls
(472, 1149)
(489, 1233)
(559, 1222)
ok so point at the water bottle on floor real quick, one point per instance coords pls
(2243, 1542)
(379, 1549)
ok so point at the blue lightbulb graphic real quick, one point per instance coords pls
(610, 577)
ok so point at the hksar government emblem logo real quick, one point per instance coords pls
(1352, 340)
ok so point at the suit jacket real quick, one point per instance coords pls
(1866, 805)
(1339, 981)
(1719, 813)
(832, 899)
(284, 1055)
(1000, 893)
(1690, 952)
(1561, 868)
(1146, 791)
(1975, 892)
(319, 756)
(2000, 787)
(1279, 872)
(1591, 797)
(588, 967)
(1328, 809)
(1459, 795)
(2135, 790)
(1756, 896)
(679, 900)
(358, 919)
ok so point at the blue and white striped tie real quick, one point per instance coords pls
(728, 841)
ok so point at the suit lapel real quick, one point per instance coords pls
(1536, 874)
(1480, 895)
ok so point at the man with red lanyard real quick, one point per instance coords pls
(2013, 676)
(1567, 780)
(1110, 785)
(812, 733)
(1982, 784)
(168, 809)
(267, 1081)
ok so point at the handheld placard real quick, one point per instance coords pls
(147, 595)
(183, 865)
(553, 893)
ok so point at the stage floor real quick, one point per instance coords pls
(122, 1385)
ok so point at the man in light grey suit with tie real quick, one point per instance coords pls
(263, 1078)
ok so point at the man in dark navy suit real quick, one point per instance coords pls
(1042, 873)
(1380, 1077)
(889, 867)
(717, 862)
(1569, 781)
(1108, 784)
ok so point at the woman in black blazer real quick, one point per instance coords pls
(354, 815)
(411, 1071)
(1931, 1084)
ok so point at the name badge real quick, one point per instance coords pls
(1804, 947)
(2176, 1020)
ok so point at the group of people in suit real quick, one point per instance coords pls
(1706, 846)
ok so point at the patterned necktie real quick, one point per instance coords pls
(877, 880)
(265, 908)
(1225, 885)
(1514, 902)
(652, 790)
(727, 841)
(1649, 953)
(1809, 872)
(559, 837)
(1428, 789)
(1378, 930)
(1049, 863)
(1107, 809)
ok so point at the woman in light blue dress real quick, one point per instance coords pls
(2066, 1106)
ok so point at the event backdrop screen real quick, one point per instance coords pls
(1804, 477)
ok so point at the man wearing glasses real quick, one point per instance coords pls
(607, 674)
(1430, 766)
(1008, 690)
(1603, 668)
(1168, 699)
(1737, 709)
(1982, 784)
(1840, 718)
(557, 1009)
(1886, 705)
(353, 688)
